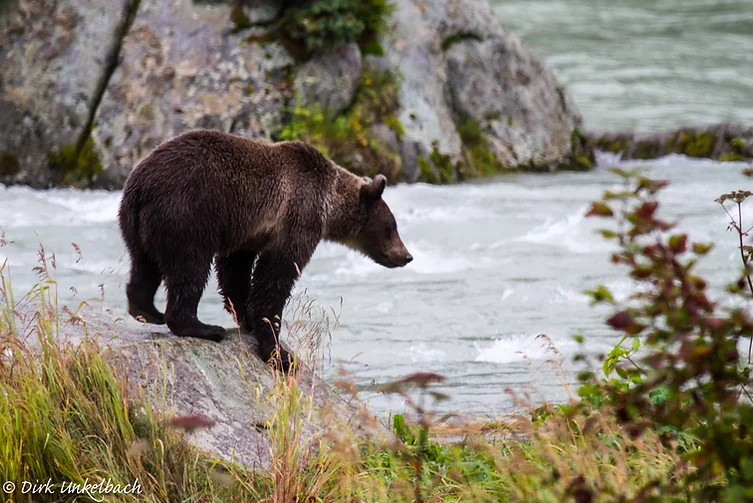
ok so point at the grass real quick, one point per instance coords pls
(66, 415)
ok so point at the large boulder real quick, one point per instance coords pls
(89, 87)
(330, 79)
(459, 64)
(53, 56)
(183, 66)
(223, 385)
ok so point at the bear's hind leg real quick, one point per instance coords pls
(185, 281)
(234, 280)
(144, 281)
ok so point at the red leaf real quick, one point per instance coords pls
(423, 379)
(621, 321)
(190, 423)
(647, 209)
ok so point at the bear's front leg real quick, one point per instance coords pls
(273, 280)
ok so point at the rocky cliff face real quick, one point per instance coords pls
(89, 87)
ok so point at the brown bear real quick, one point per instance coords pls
(259, 211)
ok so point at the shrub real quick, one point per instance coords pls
(317, 25)
(682, 376)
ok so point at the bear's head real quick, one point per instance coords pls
(375, 233)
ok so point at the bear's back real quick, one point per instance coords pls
(231, 187)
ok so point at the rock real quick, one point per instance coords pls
(508, 91)
(182, 67)
(221, 382)
(90, 87)
(414, 46)
(260, 12)
(458, 63)
(721, 142)
(330, 79)
(53, 57)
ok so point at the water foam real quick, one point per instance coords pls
(526, 347)
(572, 233)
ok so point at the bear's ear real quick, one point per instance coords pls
(371, 192)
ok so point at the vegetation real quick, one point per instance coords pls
(317, 25)
(349, 138)
(682, 374)
(583, 155)
(76, 167)
(438, 168)
(478, 157)
(713, 143)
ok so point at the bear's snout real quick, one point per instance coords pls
(400, 257)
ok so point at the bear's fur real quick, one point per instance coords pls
(259, 210)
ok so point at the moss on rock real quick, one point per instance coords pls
(438, 168)
(443, 164)
(425, 173)
(478, 157)
(318, 25)
(9, 165)
(76, 168)
(614, 144)
(731, 157)
(347, 138)
(457, 38)
(738, 144)
(696, 144)
(582, 154)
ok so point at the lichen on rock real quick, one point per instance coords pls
(52, 55)
(182, 68)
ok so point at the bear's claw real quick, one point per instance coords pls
(200, 331)
(148, 316)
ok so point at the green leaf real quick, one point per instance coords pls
(599, 209)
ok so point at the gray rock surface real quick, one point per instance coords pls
(186, 64)
(52, 57)
(182, 68)
(222, 382)
(330, 79)
(458, 62)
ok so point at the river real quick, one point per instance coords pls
(497, 262)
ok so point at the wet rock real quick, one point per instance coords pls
(182, 66)
(330, 79)
(721, 142)
(53, 56)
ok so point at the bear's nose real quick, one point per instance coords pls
(408, 258)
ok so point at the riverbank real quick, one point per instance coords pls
(70, 416)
